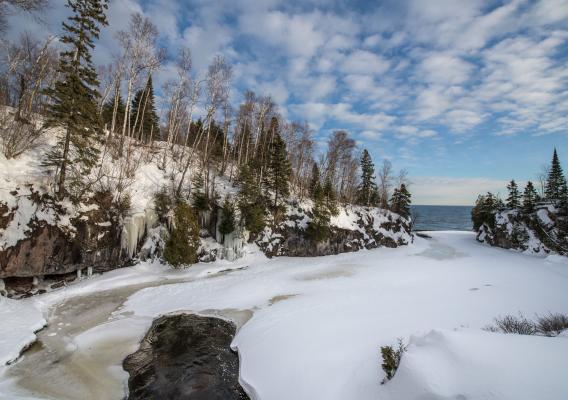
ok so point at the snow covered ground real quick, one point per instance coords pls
(318, 323)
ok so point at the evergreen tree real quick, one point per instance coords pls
(278, 172)
(529, 198)
(318, 228)
(329, 197)
(108, 110)
(182, 245)
(368, 185)
(143, 117)
(314, 180)
(484, 210)
(227, 224)
(514, 199)
(200, 200)
(400, 201)
(250, 201)
(556, 182)
(73, 98)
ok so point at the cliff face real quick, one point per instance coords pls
(354, 228)
(541, 232)
(43, 238)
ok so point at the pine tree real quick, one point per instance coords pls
(485, 209)
(314, 180)
(329, 197)
(200, 200)
(278, 172)
(368, 185)
(227, 224)
(250, 201)
(514, 199)
(108, 110)
(143, 117)
(318, 228)
(182, 245)
(73, 98)
(556, 182)
(400, 201)
(529, 198)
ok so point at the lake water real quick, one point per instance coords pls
(442, 218)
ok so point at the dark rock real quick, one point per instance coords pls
(185, 357)
(93, 240)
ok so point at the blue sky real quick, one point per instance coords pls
(463, 94)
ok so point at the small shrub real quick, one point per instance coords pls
(182, 245)
(391, 359)
(163, 203)
(552, 324)
(511, 324)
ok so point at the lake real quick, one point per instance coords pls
(442, 218)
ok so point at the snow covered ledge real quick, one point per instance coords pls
(474, 364)
(25, 319)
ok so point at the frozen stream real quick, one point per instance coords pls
(79, 354)
(311, 327)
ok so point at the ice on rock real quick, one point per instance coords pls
(134, 229)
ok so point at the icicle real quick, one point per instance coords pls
(135, 228)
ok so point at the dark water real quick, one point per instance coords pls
(442, 218)
(185, 357)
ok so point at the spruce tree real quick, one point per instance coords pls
(250, 201)
(182, 245)
(529, 198)
(227, 224)
(314, 179)
(514, 199)
(73, 98)
(278, 172)
(556, 182)
(143, 117)
(400, 201)
(318, 227)
(329, 197)
(200, 200)
(368, 185)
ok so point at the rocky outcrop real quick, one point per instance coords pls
(46, 239)
(540, 232)
(353, 229)
(185, 357)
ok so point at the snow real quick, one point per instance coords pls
(19, 322)
(544, 218)
(469, 364)
(323, 340)
(318, 323)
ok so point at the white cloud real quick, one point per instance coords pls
(364, 62)
(452, 191)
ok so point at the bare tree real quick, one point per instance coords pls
(542, 178)
(8, 6)
(385, 178)
(139, 56)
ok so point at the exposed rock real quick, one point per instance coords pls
(354, 229)
(540, 232)
(185, 357)
(52, 242)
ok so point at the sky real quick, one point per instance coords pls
(465, 95)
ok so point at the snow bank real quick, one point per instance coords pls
(318, 323)
(472, 364)
(19, 320)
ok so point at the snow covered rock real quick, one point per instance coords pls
(538, 233)
(353, 229)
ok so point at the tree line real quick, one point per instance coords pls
(554, 193)
(109, 123)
